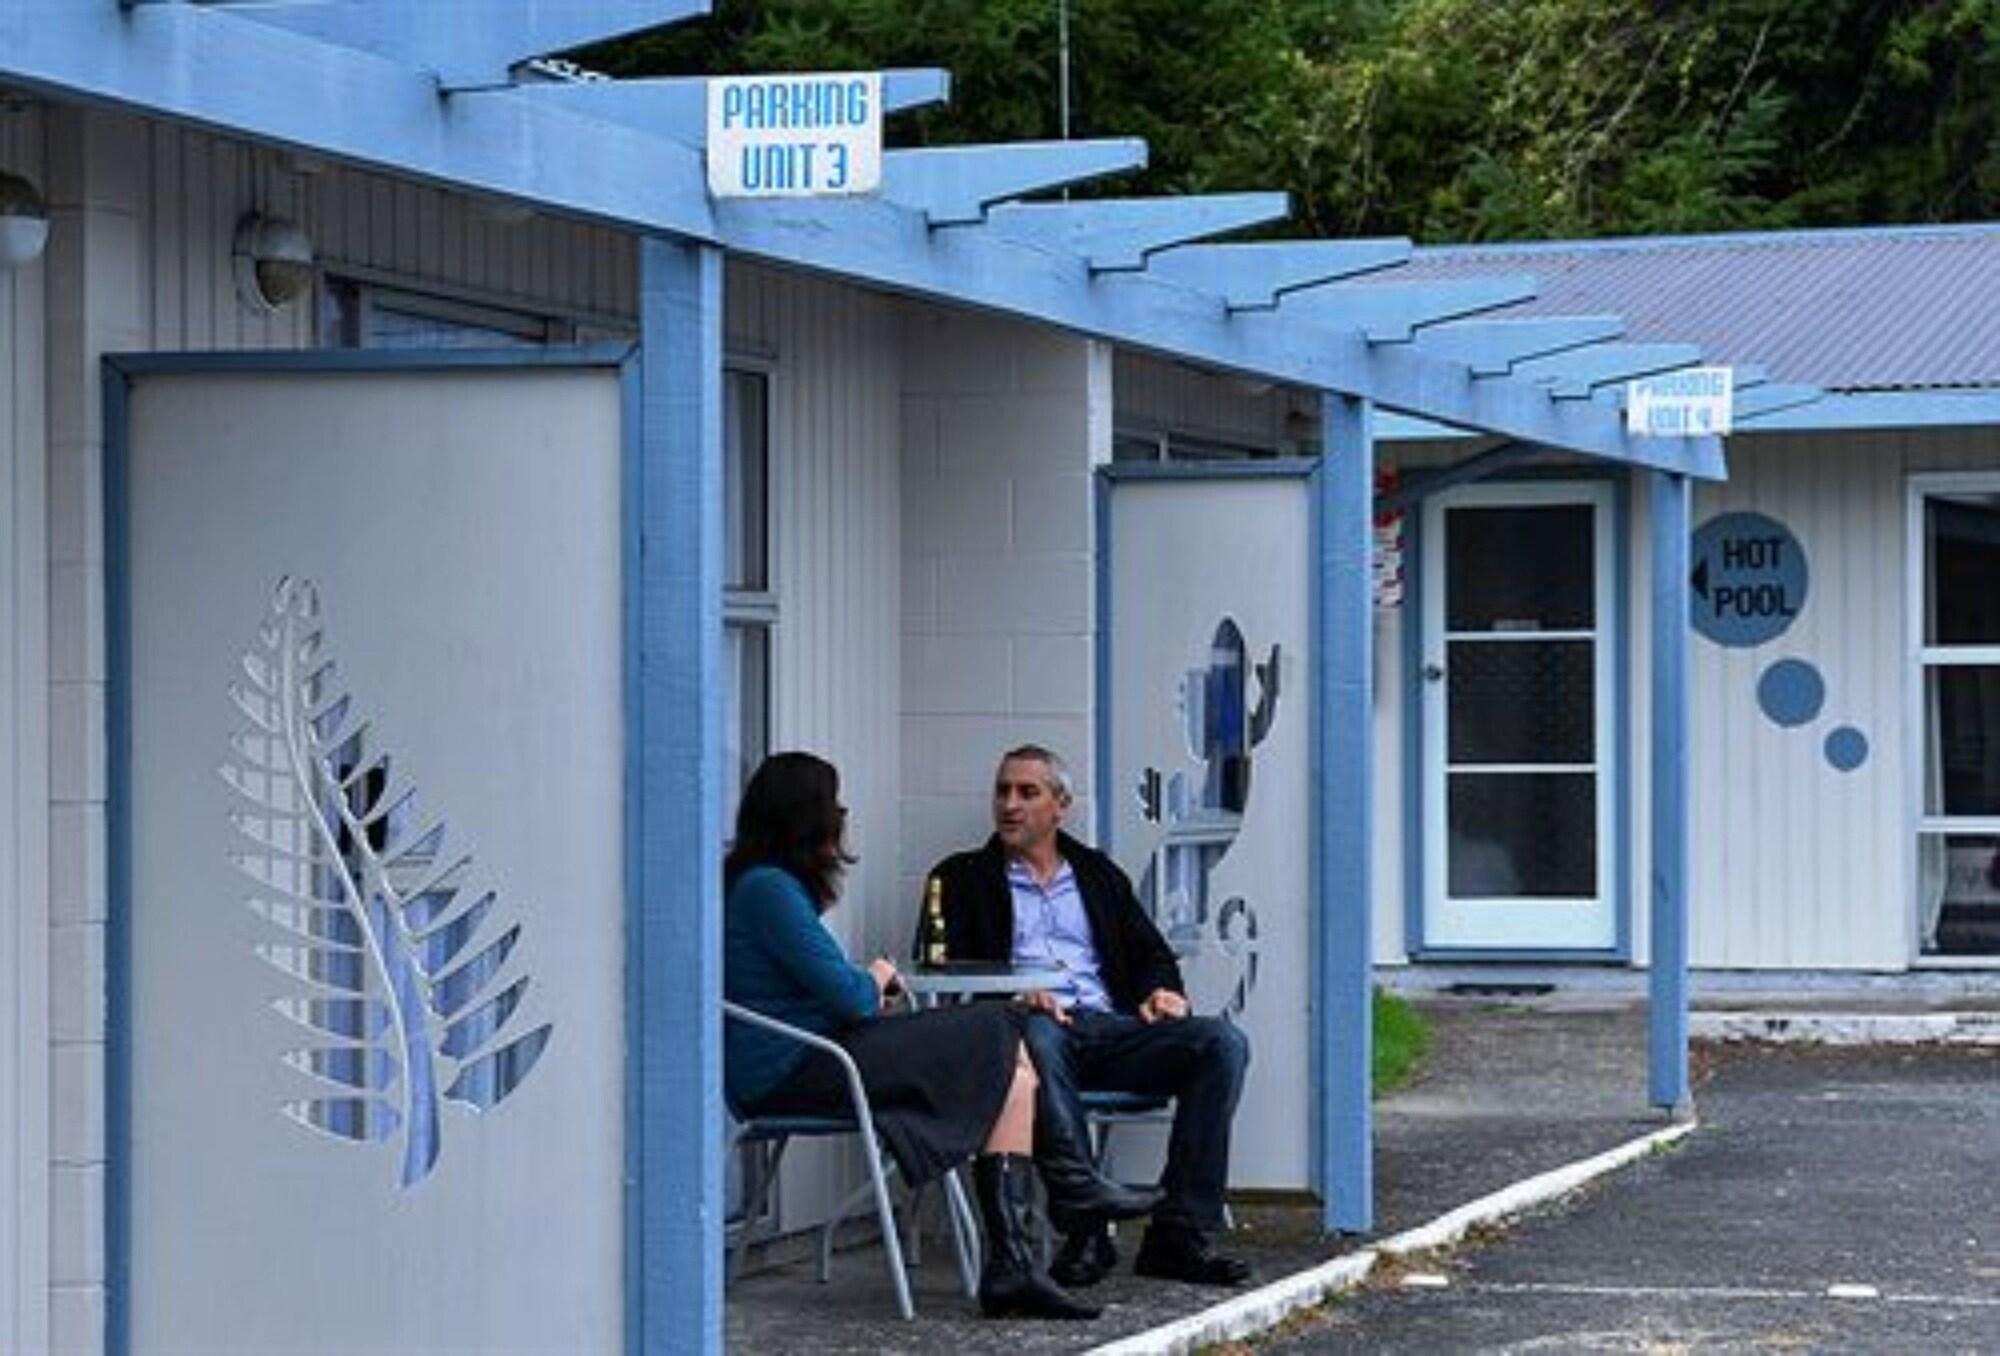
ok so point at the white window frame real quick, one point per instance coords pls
(1922, 657)
(756, 609)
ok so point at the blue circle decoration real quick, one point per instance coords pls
(1749, 579)
(1791, 692)
(1846, 748)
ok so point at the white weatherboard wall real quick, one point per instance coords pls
(1002, 424)
(1795, 866)
(24, 786)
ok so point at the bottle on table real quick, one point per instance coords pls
(935, 952)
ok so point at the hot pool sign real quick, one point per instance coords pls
(1749, 579)
(795, 136)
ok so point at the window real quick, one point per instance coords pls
(1957, 521)
(749, 608)
(364, 315)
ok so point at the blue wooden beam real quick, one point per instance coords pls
(211, 67)
(1390, 312)
(1667, 980)
(1575, 375)
(954, 185)
(1491, 348)
(1761, 401)
(874, 242)
(1118, 234)
(468, 44)
(1343, 812)
(1413, 488)
(1254, 275)
(673, 990)
(214, 68)
(676, 107)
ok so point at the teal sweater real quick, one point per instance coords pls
(779, 959)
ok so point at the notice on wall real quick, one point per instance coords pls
(1749, 579)
(795, 136)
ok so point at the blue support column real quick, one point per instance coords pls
(1668, 1040)
(673, 961)
(1343, 815)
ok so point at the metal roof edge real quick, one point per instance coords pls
(1639, 244)
(1832, 412)
(1838, 411)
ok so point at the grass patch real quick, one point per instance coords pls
(1401, 1037)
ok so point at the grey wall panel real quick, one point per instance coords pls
(468, 577)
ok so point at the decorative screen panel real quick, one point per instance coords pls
(1208, 784)
(376, 908)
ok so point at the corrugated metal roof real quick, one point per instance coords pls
(1902, 308)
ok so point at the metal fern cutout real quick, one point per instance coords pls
(379, 924)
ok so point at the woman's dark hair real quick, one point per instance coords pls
(791, 817)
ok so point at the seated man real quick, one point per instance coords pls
(1033, 894)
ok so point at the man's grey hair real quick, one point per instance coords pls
(1057, 777)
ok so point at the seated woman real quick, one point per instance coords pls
(943, 1085)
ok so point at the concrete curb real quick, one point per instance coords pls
(1268, 1305)
(1849, 1028)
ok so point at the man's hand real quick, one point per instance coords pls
(1041, 1000)
(1163, 1005)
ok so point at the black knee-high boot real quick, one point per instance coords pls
(1012, 1284)
(1079, 1195)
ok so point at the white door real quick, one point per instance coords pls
(1208, 781)
(1519, 751)
(372, 805)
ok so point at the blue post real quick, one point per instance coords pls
(1343, 815)
(673, 958)
(1669, 984)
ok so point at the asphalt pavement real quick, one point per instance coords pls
(1833, 1200)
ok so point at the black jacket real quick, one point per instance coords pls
(1133, 958)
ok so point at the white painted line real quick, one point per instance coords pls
(1725, 1292)
(1708, 1292)
(1426, 1280)
(1268, 1305)
(1849, 1028)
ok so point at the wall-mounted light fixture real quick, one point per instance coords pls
(24, 221)
(274, 262)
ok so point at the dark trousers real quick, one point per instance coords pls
(1197, 1061)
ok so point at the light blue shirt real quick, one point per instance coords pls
(1051, 928)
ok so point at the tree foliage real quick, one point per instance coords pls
(1449, 119)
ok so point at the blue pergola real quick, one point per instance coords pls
(454, 94)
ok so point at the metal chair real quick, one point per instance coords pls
(771, 1135)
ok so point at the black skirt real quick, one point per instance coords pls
(936, 1081)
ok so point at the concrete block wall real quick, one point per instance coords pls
(96, 305)
(1003, 424)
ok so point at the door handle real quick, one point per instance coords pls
(1433, 673)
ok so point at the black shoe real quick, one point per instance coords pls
(1085, 1258)
(1080, 1197)
(1012, 1285)
(1184, 1255)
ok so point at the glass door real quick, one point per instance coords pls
(1516, 676)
